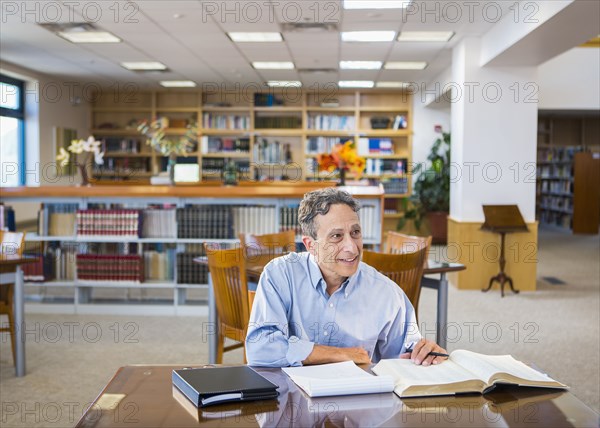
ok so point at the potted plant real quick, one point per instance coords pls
(343, 157)
(156, 132)
(431, 196)
(84, 151)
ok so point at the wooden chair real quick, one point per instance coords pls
(11, 243)
(272, 243)
(398, 243)
(404, 269)
(228, 272)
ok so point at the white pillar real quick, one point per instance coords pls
(494, 131)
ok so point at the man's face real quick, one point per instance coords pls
(338, 246)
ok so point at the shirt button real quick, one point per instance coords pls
(324, 333)
(331, 305)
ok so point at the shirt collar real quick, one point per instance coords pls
(316, 276)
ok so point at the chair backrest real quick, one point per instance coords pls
(404, 269)
(398, 243)
(12, 243)
(228, 272)
(272, 243)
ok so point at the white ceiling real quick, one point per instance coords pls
(189, 37)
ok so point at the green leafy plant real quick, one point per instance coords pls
(432, 184)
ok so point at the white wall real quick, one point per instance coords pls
(570, 81)
(425, 118)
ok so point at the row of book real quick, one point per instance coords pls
(257, 220)
(385, 166)
(57, 219)
(158, 265)
(123, 166)
(375, 146)
(112, 268)
(316, 145)
(560, 187)
(224, 144)
(159, 223)
(369, 221)
(121, 145)
(278, 122)
(64, 264)
(212, 168)
(559, 154)
(122, 222)
(556, 218)
(190, 272)
(57, 263)
(331, 122)
(554, 171)
(288, 219)
(205, 221)
(557, 203)
(395, 185)
(225, 121)
(274, 152)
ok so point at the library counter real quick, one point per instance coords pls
(202, 190)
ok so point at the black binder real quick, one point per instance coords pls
(215, 385)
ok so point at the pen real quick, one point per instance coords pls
(435, 354)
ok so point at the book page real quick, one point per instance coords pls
(337, 379)
(486, 367)
(407, 374)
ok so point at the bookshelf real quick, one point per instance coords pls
(271, 135)
(104, 241)
(568, 172)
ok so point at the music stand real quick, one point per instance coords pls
(503, 219)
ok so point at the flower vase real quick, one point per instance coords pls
(171, 169)
(342, 181)
(85, 179)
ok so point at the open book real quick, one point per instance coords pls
(464, 372)
(338, 379)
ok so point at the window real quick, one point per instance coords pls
(12, 135)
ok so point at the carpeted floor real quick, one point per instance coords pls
(70, 358)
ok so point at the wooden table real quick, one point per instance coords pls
(143, 396)
(11, 273)
(255, 265)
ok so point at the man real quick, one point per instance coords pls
(325, 305)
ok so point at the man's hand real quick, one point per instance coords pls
(421, 350)
(322, 354)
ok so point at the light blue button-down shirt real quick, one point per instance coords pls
(292, 312)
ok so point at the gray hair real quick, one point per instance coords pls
(318, 202)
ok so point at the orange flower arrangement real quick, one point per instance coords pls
(342, 157)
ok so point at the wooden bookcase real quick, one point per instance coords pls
(172, 232)
(267, 142)
(568, 171)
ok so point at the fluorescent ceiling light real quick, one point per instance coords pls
(144, 65)
(368, 36)
(360, 65)
(271, 65)
(284, 83)
(89, 36)
(240, 37)
(178, 84)
(392, 85)
(405, 65)
(425, 36)
(376, 4)
(356, 83)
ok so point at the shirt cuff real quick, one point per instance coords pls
(298, 350)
